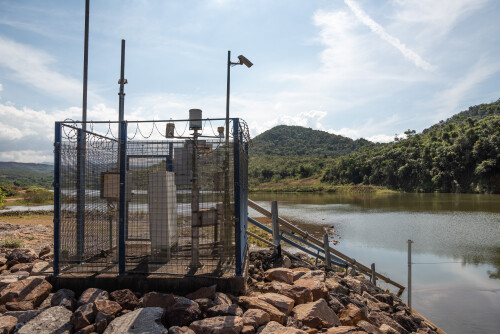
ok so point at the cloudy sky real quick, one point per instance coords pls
(359, 68)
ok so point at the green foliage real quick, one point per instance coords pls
(9, 190)
(26, 174)
(453, 157)
(11, 243)
(2, 196)
(38, 195)
(294, 141)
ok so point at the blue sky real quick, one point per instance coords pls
(357, 68)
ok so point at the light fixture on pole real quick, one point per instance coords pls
(227, 207)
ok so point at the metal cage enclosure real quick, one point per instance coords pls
(140, 197)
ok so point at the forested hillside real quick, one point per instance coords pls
(26, 174)
(284, 140)
(461, 154)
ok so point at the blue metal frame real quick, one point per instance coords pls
(237, 202)
(122, 213)
(294, 244)
(80, 185)
(57, 196)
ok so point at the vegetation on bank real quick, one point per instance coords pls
(461, 154)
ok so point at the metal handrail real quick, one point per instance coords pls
(317, 242)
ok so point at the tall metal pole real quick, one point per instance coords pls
(195, 208)
(85, 65)
(227, 205)
(409, 273)
(121, 94)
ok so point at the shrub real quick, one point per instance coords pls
(38, 195)
(12, 243)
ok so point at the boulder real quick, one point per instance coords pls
(21, 267)
(386, 329)
(7, 324)
(380, 318)
(22, 255)
(83, 316)
(45, 250)
(279, 274)
(56, 319)
(87, 330)
(342, 330)
(6, 279)
(156, 299)
(255, 317)
(40, 267)
(183, 312)
(385, 298)
(205, 292)
(351, 315)
(222, 298)
(283, 303)
(360, 284)
(316, 274)
(46, 302)
(180, 330)
(91, 295)
(317, 287)
(206, 303)
(64, 297)
(254, 302)
(335, 304)
(218, 325)
(247, 330)
(220, 310)
(23, 316)
(335, 287)
(142, 320)
(368, 327)
(316, 314)
(126, 298)
(273, 327)
(25, 295)
(300, 294)
(107, 307)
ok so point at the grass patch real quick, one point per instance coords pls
(261, 233)
(12, 243)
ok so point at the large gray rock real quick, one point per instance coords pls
(218, 325)
(26, 294)
(273, 327)
(142, 320)
(55, 320)
(183, 312)
(283, 303)
(64, 297)
(40, 267)
(316, 314)
(255, 317)
(91, 295)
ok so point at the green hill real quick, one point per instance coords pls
(461, 154)
(26, 174)
(284, 140)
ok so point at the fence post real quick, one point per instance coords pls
(328, 259)
(374, 276)
(57, 197)
(80, 189)
(122, 213)
(276, 226)
(409, 273)
(237, 200)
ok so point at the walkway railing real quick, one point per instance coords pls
(331, 255)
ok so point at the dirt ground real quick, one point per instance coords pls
(36, 231)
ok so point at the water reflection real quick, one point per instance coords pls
(456, 251)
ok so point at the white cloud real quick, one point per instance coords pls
(1, 87)
(35, 68)
(448, 100)
(34, 156)
(434, 18)
(380, 31)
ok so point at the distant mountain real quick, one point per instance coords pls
(284, 140)
(26, 174)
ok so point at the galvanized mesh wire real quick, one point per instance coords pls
(180, 195)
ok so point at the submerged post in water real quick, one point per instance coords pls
(409, 273)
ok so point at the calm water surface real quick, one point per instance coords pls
(456, 254)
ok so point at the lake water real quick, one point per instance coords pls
(455, 255)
